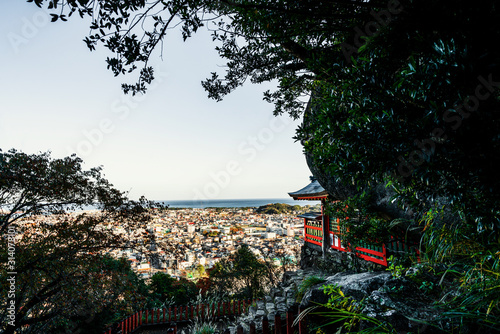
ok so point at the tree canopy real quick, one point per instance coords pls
(167, 288)
(293, 42)
(403, 95)
(241, 274)
(57, 255)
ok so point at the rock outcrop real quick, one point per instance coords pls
(382, 297)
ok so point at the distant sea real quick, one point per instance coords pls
(234, 203)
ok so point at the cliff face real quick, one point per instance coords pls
(380, 194)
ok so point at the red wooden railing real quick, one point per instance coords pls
(376, 253)
(179, 313)
(162, 316)
(313, 232)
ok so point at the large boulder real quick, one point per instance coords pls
(396, 301)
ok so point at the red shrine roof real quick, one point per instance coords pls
(313, 191)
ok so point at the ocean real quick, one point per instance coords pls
(234, 203)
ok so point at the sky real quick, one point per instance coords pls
(173, 143)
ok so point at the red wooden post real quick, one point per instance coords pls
(146, 320)
(158, 316)
(202, 310)
(122, 326)
(192, 311)
(218, 309)
(252, 328)
(134, 317)
(234, 306)
(175, 313)
(302, 322)
(239, 330)
(289, 321)
(127, 325)
(169, 314)
(164, 311)
(277, 324)
(265, 325)
(140, 318)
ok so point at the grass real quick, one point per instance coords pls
(343, 313)
(306, 285)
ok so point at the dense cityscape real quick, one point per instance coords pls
(185, 242)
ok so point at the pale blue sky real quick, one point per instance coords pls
(172, 143)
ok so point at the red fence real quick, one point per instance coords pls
(313, 232)
(283, 324)
(181, 313)
(376, 253)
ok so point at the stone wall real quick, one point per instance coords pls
(334, 261)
